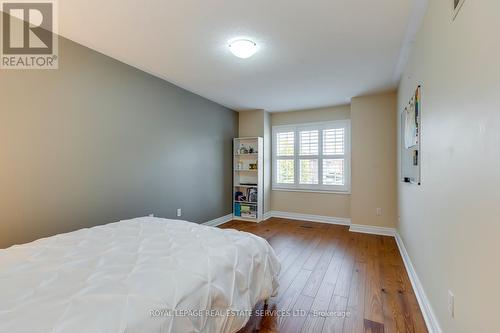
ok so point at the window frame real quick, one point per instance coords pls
(320, 127)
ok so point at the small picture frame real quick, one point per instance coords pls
(252, 195)
(456, 6)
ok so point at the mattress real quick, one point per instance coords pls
(140, 275)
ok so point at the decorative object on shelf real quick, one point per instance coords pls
(245, 210)
(248, 211)
(240, 166)
(243, 150)
(246, 149)
(252, 166)
(252, 195)
(238, 196)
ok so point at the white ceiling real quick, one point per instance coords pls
(312, 53)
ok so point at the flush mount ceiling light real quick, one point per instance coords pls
(243, 48)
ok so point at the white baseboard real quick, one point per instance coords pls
(308, 217)
(368, 229)
(219, 221)
(267, 215)
(251, 220)
(423, 301)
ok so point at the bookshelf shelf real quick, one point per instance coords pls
(248, 179)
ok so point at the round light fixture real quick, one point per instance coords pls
(243, 48)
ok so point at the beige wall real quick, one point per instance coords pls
(373, 160)
(450, 224)
(268, 162)
(374, 149)
(251, 123)
(311, 116)
(327, 204)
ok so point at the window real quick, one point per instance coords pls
(312, 157)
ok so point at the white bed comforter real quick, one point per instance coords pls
(129, 276)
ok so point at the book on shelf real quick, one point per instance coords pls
(246, 211)
(237, 209)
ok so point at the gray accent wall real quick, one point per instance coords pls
(97, 141)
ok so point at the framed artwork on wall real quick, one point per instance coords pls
(410, 140)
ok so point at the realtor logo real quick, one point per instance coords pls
(29, 36)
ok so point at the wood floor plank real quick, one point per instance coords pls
(362, 247)
(293, 292)
(373, 294)
(314, 282)
(287, 275)
(321, 304)
(296, 320)
(324, 239)
(357, 282)
(396, 292)
(344, 280)
(298, 249)
(373, 327)
(333, 271)
(354, 323)
(334, 322)
(316, 320)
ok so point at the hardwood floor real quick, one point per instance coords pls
(333, 280)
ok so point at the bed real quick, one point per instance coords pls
(141, 275)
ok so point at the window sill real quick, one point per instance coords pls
(310, 191)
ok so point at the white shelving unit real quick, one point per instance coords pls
(248, 179)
